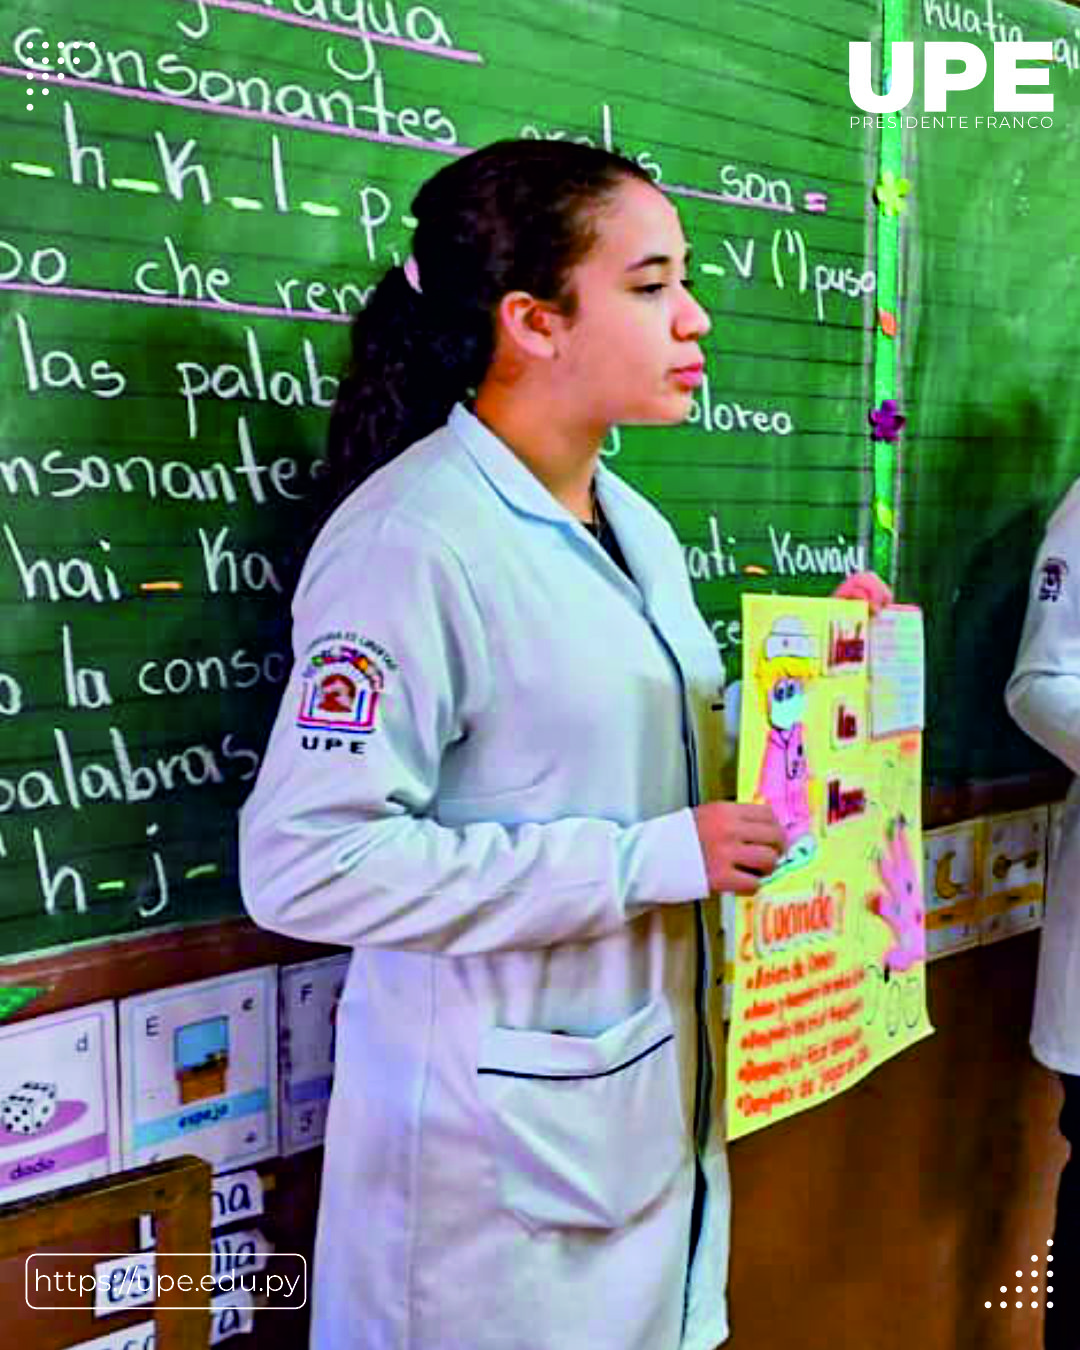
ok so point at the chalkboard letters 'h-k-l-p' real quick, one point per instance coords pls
(87, 165)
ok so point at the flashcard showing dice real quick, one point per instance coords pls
(59, 1116)
(309, 998)
(199, 1068)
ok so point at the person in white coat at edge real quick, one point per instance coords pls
(493, 775)
(1043, 696)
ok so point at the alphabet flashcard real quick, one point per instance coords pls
(59, 1102)
(200, 1070)
(309, 999)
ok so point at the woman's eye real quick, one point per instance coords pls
(688, 283)
(651, 289)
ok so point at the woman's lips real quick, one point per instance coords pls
(689, 377)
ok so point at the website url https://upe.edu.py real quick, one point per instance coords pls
(109, 1282)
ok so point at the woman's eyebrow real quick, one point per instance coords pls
(658, 260)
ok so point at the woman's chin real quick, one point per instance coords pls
(669, 411)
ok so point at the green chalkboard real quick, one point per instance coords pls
(187, 219)
(989, 350)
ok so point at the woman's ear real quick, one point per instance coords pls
(531, 326)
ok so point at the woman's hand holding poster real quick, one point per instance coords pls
(830, 955)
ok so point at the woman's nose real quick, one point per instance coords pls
(691, 321)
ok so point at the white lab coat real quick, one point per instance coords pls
(503, 836)
(1043, 696)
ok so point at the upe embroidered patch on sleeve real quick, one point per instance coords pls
(1052, 576)
(342, 686)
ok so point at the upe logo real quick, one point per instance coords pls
(939, 80)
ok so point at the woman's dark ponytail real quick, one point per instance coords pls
(517, 215)
(408, 368)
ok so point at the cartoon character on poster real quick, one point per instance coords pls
(901, 904)
(895, 980)
(785, 666)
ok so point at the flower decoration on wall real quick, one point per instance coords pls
(887, 421)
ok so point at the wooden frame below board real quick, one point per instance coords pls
(176, 1193)
(118, 967)
(951, 803)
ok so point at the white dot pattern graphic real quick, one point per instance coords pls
(1034, 1288)
(44, 75)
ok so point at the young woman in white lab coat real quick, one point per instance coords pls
(1043, 696)
(495, 776)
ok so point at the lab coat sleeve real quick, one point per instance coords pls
(341, 847)
(1043, 694)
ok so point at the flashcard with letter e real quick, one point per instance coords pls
(199, 1068)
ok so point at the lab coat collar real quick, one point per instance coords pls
(513, 481)
(523, 491)
(617, 501)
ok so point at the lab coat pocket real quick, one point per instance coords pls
(588, 1130)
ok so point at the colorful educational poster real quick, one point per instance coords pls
(59, 1103)
(309, 995)
(199, 1065)
(829, 974)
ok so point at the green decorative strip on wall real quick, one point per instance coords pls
(886, 342)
